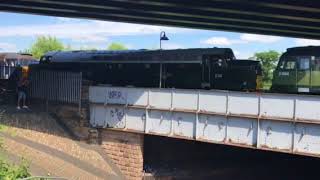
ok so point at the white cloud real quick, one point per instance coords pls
(242, 54)
(221, 41)
(307, 42)
(64, 19)
(7, 47)
(90, 38)
(259, 38)
(84, 30)
(243, 39)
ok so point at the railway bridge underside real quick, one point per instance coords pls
(271, 17)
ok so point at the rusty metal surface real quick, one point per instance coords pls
(212, 128)
(276, 135)
(159, 122)
(98, 116)
(116, 96)
(137, 97)
(213, 102)
(115, 116)
(306, 138)
(184, 124)
(277, 106)
(307, 108)
(161, 99)
(97, 94)
(136, 119)
(165, 112)
(242, 131)
(185, 100)
(243, 103)
(237, 104)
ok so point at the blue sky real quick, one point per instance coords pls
(19, 31)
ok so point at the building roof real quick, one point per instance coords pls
(16, 58)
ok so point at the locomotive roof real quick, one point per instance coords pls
(15, 57)
(304, 50)
(139, 55)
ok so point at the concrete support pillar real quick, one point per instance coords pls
(126, 151)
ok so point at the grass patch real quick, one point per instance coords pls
(3, 128)
(6, 129)
(10, 171)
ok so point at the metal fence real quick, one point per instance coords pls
(6, 71)
(57, 86)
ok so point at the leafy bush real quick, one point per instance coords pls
(45, 44)
(269, 60)
(117, 46)
(10, 171)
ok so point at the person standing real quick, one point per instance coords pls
(22, 88)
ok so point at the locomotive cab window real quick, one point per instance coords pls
(315, 64)
(281, 64)
(304, 63)
(288, 64)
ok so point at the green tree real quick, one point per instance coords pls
(45, 44)
(269, 60)
(117, 46)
